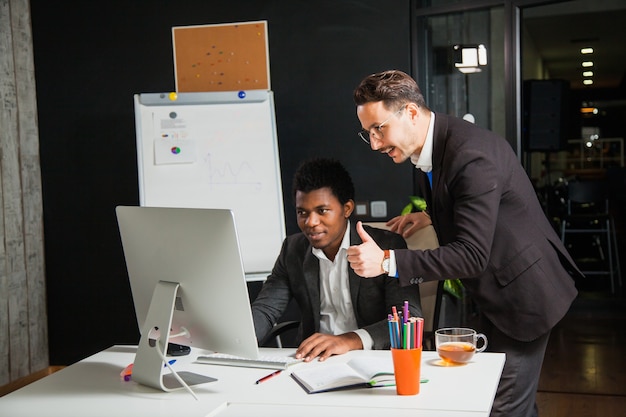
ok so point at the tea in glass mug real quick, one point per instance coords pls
(458, 345)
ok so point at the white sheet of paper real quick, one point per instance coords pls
(174, 151)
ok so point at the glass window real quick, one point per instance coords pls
(464, 55)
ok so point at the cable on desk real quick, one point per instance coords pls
(178, 378)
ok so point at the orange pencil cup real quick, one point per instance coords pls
(406, 367)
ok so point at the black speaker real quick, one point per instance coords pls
(545, 110)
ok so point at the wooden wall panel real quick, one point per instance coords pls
(29, 172)
(23, 319)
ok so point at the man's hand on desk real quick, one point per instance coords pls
(410, 223)
(326, 345)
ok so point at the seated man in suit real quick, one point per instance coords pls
(339, 311)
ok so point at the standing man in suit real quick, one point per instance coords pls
(493, 233)
(339, 310)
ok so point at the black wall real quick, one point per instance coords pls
(90, 58)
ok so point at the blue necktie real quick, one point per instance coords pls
(430, 178)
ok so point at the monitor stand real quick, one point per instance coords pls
(148, 365)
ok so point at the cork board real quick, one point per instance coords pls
(222, 57)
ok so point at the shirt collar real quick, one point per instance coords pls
(345, 244)
(424, 160)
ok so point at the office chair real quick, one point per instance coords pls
(431, 292)
(284, 332)
(280, 330)
(587, 214)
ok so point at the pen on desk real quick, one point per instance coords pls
(374, 384)
(128, 371)
(266, 377)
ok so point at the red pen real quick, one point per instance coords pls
(266, 377)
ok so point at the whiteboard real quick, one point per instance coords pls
(215, 150)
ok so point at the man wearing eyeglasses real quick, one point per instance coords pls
(493, 232)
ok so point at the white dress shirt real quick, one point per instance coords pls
(424, 160)
(336, 310)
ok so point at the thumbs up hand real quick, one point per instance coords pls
(366, 259)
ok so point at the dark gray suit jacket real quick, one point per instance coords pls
(296, 275)
(493, 234)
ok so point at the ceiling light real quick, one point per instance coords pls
(587, 82)
(587, 73)
(588, 64)
(588, 110)
(586, 51)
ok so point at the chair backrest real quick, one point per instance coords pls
(430, 292)
(592, 196)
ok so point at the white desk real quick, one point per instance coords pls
(92, 387)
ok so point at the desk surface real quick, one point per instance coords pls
(92, 387)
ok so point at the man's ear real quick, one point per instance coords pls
(348, 208)
(413, 111)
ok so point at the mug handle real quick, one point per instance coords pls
(484, 346)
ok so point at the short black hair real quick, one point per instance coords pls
(317, 173)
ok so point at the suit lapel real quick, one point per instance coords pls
(311, 270)
(423, 185)
(440, 133)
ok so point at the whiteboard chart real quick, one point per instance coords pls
(215, 150)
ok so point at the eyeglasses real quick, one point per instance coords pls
(376, 132)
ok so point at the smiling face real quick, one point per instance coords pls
(401, 134)
(323, 219)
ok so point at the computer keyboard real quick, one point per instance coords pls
(267, 362)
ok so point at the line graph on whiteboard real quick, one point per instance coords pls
(228, 173)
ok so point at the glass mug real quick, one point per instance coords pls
(457, 345)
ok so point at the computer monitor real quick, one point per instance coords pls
(188, 286)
